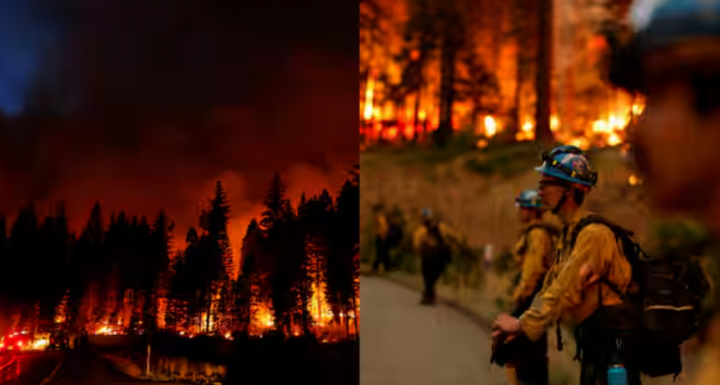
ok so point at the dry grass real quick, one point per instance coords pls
(481, 206)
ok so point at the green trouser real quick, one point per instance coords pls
(434, 264)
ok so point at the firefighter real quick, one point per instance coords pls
(534, 254)
(435, 242)
(382, 248)
(672, 58)
(572, 293)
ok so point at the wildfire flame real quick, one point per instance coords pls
(318, 309)
(490, 126)
(584, 111)
(39, 343)
(105, 328)
(633, 180)
(369, 90)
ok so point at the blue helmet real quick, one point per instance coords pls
(570, 164)
(660, 23)
(528, 199)
(690, 27)
(426, 213)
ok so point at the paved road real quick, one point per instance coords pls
(404, 343)
(86, 369)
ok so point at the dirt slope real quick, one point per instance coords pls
(482, 206)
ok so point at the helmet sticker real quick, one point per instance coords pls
(579, 166)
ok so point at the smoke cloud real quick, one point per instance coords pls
(144, 104)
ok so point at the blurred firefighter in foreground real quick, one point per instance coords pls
(388, 235)
(627, 306)
(673, 59)
(534, 254)
(435, 242)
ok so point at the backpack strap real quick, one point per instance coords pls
(434, 231)
(552, 231)
(629, 247)
(619, 231)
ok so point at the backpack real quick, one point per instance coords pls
(395, 235)
(553, 232)
(442, 248)
(663, 297)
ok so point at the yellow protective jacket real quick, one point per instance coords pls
(563, 296)
(382, 227)
(424, 242)
(534, 254)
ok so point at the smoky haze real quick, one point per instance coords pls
(144, 104)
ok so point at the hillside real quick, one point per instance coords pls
(475, 190)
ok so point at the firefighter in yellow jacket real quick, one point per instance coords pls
(435, 242)
(534, 254)
(382, 239)
(572, 293)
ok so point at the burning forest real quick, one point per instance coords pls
(298, 272)
(491, 68)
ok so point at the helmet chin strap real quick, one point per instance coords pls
(555, 210)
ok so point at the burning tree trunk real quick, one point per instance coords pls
(543, 134)
(416, 115)
(521, 66)
(447, 90)
(208, 307)
(347, 323)
(304, 284)
(355, 314)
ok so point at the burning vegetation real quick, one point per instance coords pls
(298, 272)
(491, 68)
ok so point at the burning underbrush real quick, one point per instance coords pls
(127, 319)
(391, 125)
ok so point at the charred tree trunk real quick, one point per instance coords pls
(543, 76)
(443, 134)
(347, 324)
(317, 285)
(208, 299)
(519, 80)
(305, 296)
(474, 116)
(355, 315)
(416, 114)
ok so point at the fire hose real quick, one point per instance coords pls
(10, 370)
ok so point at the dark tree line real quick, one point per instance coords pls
(281, 255)
(43, 260)
(292, 250)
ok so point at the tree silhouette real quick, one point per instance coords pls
(275, 203)
(24, 237)
(250, 275)
(120, 270)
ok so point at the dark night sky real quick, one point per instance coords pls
(144, 103)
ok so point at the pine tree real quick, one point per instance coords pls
(24, 237)
(275, 203)
(219, 214)
(249, 277)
